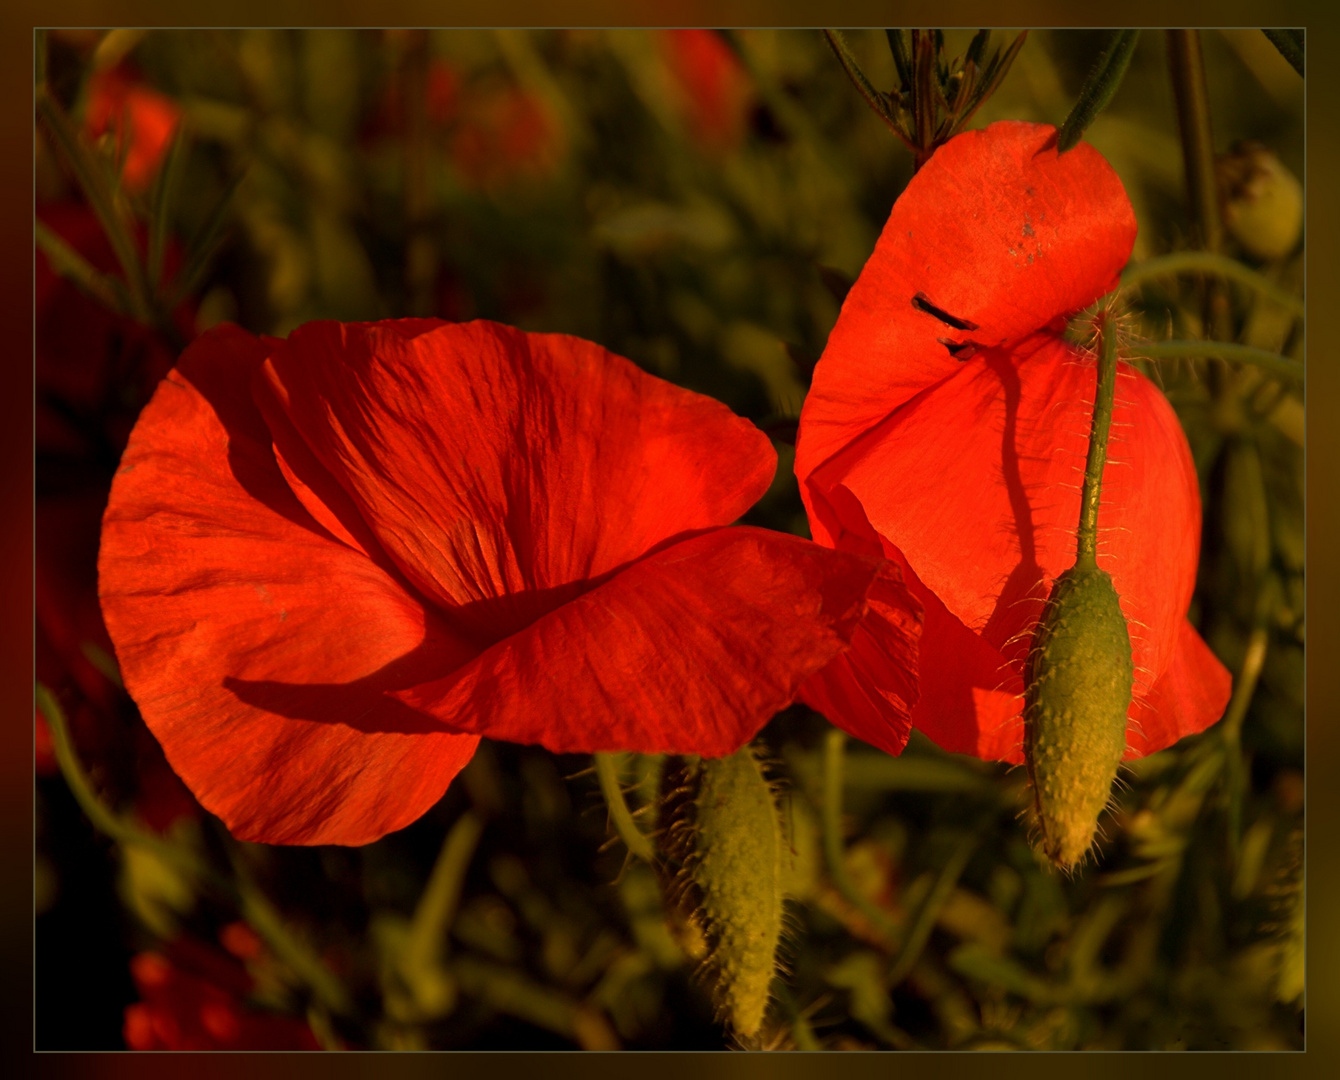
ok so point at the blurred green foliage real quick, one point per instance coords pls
(703, 216)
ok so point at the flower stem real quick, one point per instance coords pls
(834, 746)
(607, 770)
(1206, 262)
(930, 910)
(1193, 119)
(437, 905)
(1280, 367)
(1086, 553)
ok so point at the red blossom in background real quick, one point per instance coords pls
(119, 103)
(947, 428)
(192, 997)
(714, 90)
(504, 135)
(329, 564)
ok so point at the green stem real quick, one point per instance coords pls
(930, 910)
(834, 747)
(923, 95)
(1086, 553)
(1193, 120)
(254, 908)
(1280, 367)
(1206, 262)
(1099, 87)
(425, 944)
(607, 770)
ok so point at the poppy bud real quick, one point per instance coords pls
(1262, 201)
(721, 826)
(1078, 684)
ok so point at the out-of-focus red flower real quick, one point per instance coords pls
(714, 90)
(192, 998)
(95, 368)
(118, 102)
(947, 427)
(505, 135)
(329, 564)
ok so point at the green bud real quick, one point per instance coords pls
(721, 826)
(1078, 689)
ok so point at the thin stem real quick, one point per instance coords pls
(1206, 262)
(1280, 367)
(253, 906)
(1193, 120)
(834, 746)
(930, 910)
(1087, 544)
(437, 906)
(607, 770)
(923, 95)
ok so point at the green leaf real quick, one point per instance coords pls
(206, 246)
(69, 264)
(164, 196)
(1100, 86)
(1290, 45)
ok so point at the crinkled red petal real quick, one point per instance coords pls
(690, 650)
(503, 471)
(993, 239)
(976, 483)
(260, 649)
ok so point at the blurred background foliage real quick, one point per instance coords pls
(698, 202)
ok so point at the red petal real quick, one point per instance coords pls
(502, 470)
(1188, 697)
(869, 690)
(997, 230)
(690, 650)
(214, 579)
(976, 483)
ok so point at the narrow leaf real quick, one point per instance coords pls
(858, 78)
(69, 264)
(1290, 45)
(206, 246)
(901, 60)
(164, 195)
(1100, 86)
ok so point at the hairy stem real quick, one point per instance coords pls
(1086, 553)
(607, 770)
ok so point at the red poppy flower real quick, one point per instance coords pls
(193, 998)
(947, 427)
(117, 102)
(713, 87)
(506, 135)
(329, 564)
